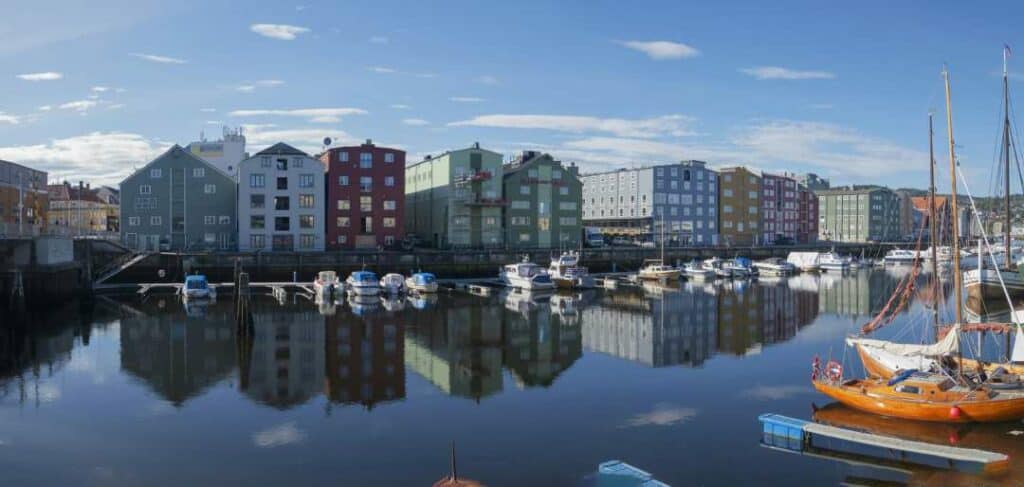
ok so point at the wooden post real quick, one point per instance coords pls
(243, 313)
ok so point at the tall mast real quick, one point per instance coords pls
(957, 278)
(934, 232)
(1006, 159)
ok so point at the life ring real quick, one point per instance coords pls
(834, 371)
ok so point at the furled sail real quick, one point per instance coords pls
(948, 345)
(1018, 347)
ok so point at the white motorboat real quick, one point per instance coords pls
(566, 272)
(805, 261)
(696, 272)
(421, 282)
(658, 270)
(830, 261)
(392, 283)
(717, 266)
(900, 257)
(363, 283)
(775, 267)
(740, 267)
(525, 275)
(326, 284)
(196, 287)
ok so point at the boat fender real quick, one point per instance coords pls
(834, 371)
(954, 412)
(815, 368)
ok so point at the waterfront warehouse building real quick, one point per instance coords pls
(635, 202)
(178, 202)
(24, 200)
(365, 196)
(859, 214)
(543, 202)
(739, 206)
(281, 201)
(455, 199)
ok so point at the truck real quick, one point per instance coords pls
(593, 237)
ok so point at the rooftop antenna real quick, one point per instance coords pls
(327, 143)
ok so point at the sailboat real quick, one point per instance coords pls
(925, 395)
(656, 268)
(988, 281)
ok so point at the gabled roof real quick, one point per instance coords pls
(177, 149)
(281, 149)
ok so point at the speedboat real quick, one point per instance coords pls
(525, 275)
(196, 287)
(900, 257)
(775, 267)
(421, 282)
(830, 261)
(392, 283)
(363, 283)
(656, 269)
(326, 284)
(696, 272)
(717, 266)
(566, 272)
(739, 266)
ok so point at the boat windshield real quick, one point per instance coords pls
(424, 278)
(195, 284)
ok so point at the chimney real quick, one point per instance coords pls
(369, 142)
(476, 145)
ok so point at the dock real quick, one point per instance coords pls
(797, 435)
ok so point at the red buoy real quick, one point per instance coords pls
(954, 412)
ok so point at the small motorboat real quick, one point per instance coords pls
(656, 269)
(392, 283)
(740, 267)
(363, 283)
(775, 267)
(900, 257)
(196, 287)
(421, 282)
(717, 266)
(566, 272)
(696, 272)
(525, 275)
(326, 284)
(830, 261)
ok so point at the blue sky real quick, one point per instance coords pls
(95, 90)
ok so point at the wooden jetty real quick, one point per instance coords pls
(797, 435)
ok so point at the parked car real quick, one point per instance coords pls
(620, 241)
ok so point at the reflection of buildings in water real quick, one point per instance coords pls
(762, 315)
(364, 359)
(859, 294)
(286, 363)
(540, 345)
(179, 351)
(679, 328)
(36, 353)
(458, 347)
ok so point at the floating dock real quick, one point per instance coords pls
(797, 435)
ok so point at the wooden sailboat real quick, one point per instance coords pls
(656, 269)
(926, 396)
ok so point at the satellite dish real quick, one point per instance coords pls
(327, 141)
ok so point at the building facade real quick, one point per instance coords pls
(739, 206)
(81, 210)
(281, 201)
(24, 200)
(858, 214)
(807, 215)
(365, 196)
(680, 198)
(780, 211)
(225, 154)
(812, 181)
(178, 202)
(543, 202)
(455, 199)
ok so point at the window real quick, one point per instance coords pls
(282, 164)
(178, 224)
(520, 220)
(305, 180)
(524, 237)
(209, 220)
(257, 222)
(307, 221)
(567, 205)
(297, 162)
(389, 157)
(389, 181)
(727, 193)
(556, 174)
(282, 223)
(343, 156)
(365, 203)
(389, 222)
(210, 189)
(265, 161)
(563, 190)
(752, 210)
(686, 175)
(156, 173)
(752, 195)
(342, 239)
(224, 220)
(389, 204)
(389, 240)
(257, 241)
(568, 220)
(343, 222)
(525, 190)
(306, 201)
(366, 224)
(155, 220)
(281, 203)
(257, 181)
(908, 389)
(490, 221)
(306, 241)
(344, 205)
(145, 189)
(727, 209)
(365, 160)
(257, 201)
(282, 183)
(199, 172)
(210, 238)
(365, 184)
(520, 205)
(133, 221)
(342, 180)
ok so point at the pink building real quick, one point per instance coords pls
(780, 212)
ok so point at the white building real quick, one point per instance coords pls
(225, 154)
(280, 201)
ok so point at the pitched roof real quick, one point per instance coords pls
(281, 149)
(921, 202)
(177, 150)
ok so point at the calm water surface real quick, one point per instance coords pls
(533, 390)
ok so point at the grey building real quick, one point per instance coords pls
(178, 202)
(858, 214)
(812, 181)
(543, 202)
(635, 202)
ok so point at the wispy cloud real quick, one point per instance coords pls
(320, 115)
(415, 121)
(46, 108)
(159, 59)
(207, 110)
(9, 119)
(382, 69)
(308, 139)
(78, 105)
(662, 50)
(487, 79)
(777, 72)
(674, 125)
(99, 89)
(246, 88)
(104, 158)
(280, 435)
(379, 40)
(44, 76)
(663, 414)
(399, 106)
(115, 106)
(466, 99)
(283, 32)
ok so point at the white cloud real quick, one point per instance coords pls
(280, 435)
(207, 110)
(99, 89)
(246, 88)
(674, 125)
(662, 414)
(159, 59)
(78, 105)
(415, 121)
(379, 40)
(9, 119)
(45, 76)
(270, 82)
(399, 106)
(309, 139)
(662, 50)
(382, 69)
(282, 32)
(214, 122)
(320, 115)
(487, 79)
(116, 106)
(104, 158)
(776, 72)
(425, 75)
(45, 108)
(466, 99)
(774, 393)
